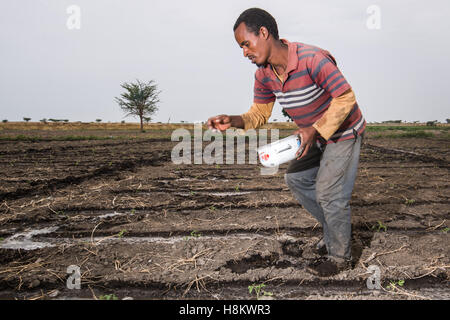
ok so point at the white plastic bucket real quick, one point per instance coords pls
(279, 152)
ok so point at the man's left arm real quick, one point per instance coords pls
(337, 112)
(325, 73)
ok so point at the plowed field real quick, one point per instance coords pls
(138, 225)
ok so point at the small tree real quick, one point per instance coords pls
(26, 119)
(98, 120)
(140, 99)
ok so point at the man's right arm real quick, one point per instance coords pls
(257, 116)
(237, 122)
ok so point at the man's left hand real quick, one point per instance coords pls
(308, 138)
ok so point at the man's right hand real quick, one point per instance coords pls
(221, 122)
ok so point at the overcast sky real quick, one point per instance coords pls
(399, 71)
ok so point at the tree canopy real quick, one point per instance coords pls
(140, 99)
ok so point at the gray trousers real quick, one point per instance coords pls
(325, 191)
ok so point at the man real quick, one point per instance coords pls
(312, 90)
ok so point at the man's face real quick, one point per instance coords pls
(255, 46)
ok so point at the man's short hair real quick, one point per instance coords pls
(255, 18)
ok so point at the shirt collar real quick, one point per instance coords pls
(292, 56)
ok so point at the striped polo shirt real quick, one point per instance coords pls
(313, 80)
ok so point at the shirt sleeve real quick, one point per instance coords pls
(325, 73)
(258, 115)
(263, 101)
(337, 112)
(261, 93)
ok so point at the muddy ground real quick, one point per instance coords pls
(139, 226)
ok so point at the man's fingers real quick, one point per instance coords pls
(221, 122)
(299, 152)
(223, 127)
(304, 152)
(213, 122)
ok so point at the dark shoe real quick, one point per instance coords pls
(320, 248)
(328, 266)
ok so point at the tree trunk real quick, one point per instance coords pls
(141, 116)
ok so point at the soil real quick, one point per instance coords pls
(138, 225)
